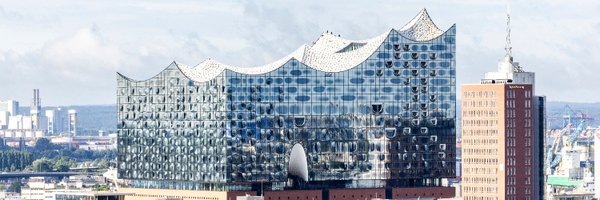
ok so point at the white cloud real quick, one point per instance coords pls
(56, 48)
(85, 49)
(189, 7)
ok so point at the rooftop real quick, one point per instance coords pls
(329, 53)
(562, 181)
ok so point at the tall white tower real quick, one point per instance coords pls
(36, 109)
(53, 121)
(73, 122)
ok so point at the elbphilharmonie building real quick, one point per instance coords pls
(375, 116)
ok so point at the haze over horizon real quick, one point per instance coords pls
(72, 50)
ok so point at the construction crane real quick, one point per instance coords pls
(574, 118)
(554, 157)
(574, 125)
(582, 119)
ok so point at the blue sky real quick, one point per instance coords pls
(72, 50)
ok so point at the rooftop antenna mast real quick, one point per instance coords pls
(508, 46)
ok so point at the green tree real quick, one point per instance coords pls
(43, 144)
(15, 186)
(14, 160)
(42, 165)
(3, 145)
(83, 154)
(102, 163)
(61, 168)
(62, 164)
(101, 187)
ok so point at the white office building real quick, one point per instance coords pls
(10, 106)
(54, 121)
(7, 109)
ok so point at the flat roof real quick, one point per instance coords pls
(562, 181)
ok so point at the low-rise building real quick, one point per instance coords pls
(10, 195)
(36, 188)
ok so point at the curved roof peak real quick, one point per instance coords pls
(330, 41)
(323, 55)
(421, 28)
(329, 53)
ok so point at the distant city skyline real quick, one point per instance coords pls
(71, 50)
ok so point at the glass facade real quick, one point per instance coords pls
(389, 121)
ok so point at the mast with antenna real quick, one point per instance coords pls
(508, 46)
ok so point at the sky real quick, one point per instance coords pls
(72, 50)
